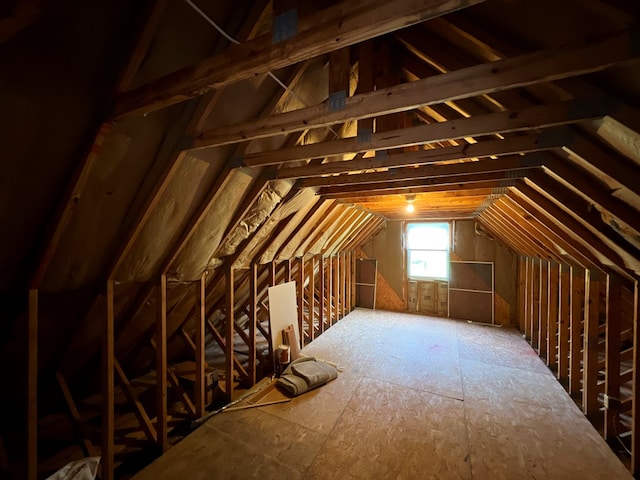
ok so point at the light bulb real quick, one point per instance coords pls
(410, 208)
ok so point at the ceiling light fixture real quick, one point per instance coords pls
(410, 200)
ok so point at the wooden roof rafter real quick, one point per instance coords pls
(338, 26)
(582, 211)
(550, 235)
(490, 77)
(607, 258)
(539, 116)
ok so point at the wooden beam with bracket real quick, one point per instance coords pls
(538, 116)
(506, 74)
(336, 27)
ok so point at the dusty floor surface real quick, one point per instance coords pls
(419, 398)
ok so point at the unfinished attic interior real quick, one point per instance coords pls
(165, 162)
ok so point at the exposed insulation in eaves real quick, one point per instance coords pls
(184, 193)
(305, 197)
(123, 172)
(197, 254)
(320, 244)
(289, 251)
(260, 211)
(294, 224)
(311, 92)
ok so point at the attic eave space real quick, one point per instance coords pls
(260, 211)
(168, 162)
(185, 188)
(198, 254)
(305, 198)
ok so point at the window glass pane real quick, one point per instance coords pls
(428, 264)
(428, 236)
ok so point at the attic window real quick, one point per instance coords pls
(428, 251)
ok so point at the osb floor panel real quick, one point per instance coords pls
(419, 398)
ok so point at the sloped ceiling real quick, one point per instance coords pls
(143, 139)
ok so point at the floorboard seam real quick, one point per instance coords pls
(414, 388)
(306, 471)
(464, 406)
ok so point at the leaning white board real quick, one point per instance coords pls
(283, 311)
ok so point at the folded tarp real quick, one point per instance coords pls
(305, 374)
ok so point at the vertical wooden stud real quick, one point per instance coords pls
(612, 354)
(339, 69)
(348, 282)
(229, 331)
(535, 303)
(590, 349)
(161, 365)
(336, 287)
(552, 313)
(201, 318)
(526, 298)
(287, 270)
(577, 305)
(365, 83)
(543, 310)
(300, 285)
(312, 298)
(322, 308)
(253, 320)
(343, 281)
(329, 291)
(108, 386)
(635, 415)
(32, 386)
(272, 273)
(564, 316)
(522, 293)
(354, 259)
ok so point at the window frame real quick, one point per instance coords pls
(408, 251)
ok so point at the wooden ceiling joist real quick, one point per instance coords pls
(539, 116)
(451, 194)
(530, 142)
(501, 75)
(339, 26)
(474, 180)
(366, 190)
(503, 164)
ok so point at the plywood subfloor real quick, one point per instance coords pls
(419, 398)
